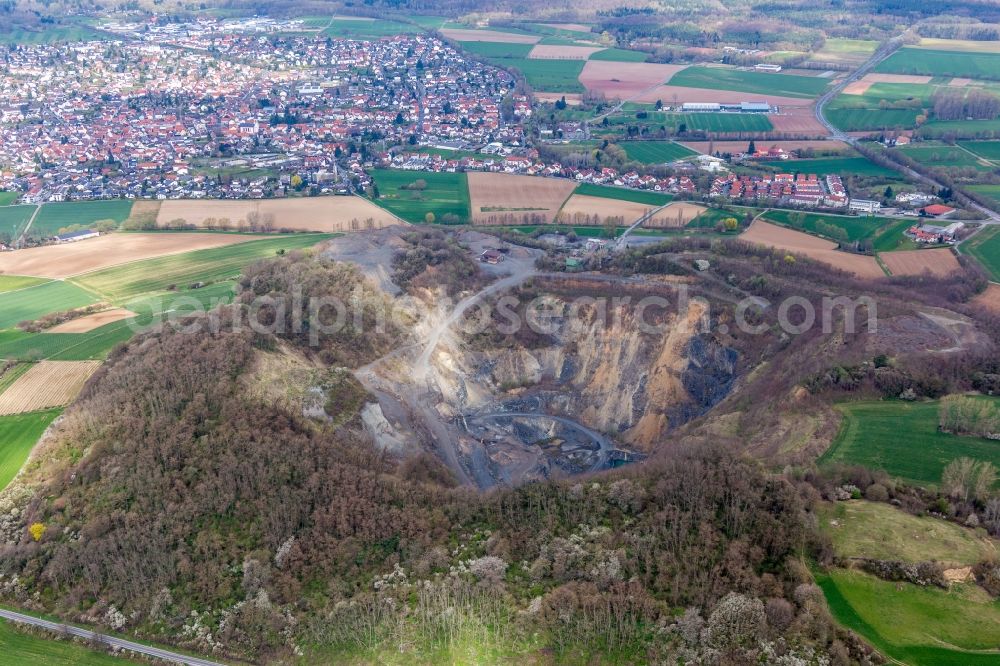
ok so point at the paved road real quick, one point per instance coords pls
(884, 51)
(164, 655)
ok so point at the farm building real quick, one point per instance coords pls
(767, 67)
(701, 106)
(864, 206)
(927, 233)
(492, 257)
(937, 210)
(74, 236)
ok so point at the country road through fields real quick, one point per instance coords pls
(139, 648)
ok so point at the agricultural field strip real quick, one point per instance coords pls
(46, 385)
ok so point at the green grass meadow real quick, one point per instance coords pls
(857, 228)
(988, 150)
(119, 283)
(16, 282)
(841, 166)
(622, 194)
(18, 435)
(445, 193)
(913, 624)
(693, 122)
(55, 216)
(985, 246)
(931, 62)
(33, 302)
(902, 438)
(762, 83)
(655, 152)
(24, 649)
(13, 220)
(7, 198)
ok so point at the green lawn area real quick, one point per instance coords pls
(7, 198)
(988, 150)
(763, 83)
(15, 282)
(18, 435)
(120, 283)
(620, 55)
(498, 50)
(941, 156)
(25, 649)
(881, 531)
(445, 193)
(13, 219)
(50, 35)
(857, 228)
(913, 624)
(848, 165)
(655, 152)
(969, 129)
(622, 194)
(55, 216)
(932, 62)
(42, 299)
(985, 246)
(902, 438)
(362, 29)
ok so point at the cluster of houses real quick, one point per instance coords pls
(935, 235)
(207, 113)
(800, 190)
(528, 164)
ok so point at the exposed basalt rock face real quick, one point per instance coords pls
(611, 375)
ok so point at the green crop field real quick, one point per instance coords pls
(34, 302)
(498, 50)
(622, 194)
(361, 29)
(914, 624)
(706, 122)
(985, 246)
(120, 283)
(890, 237)
(620, 55)
(902, 438)
(13, 219)
(549, 75)
(863, 119)
(931, 62)
(845, 50)
(988, 150)
(881, 531)
(655, 152)
(18, 435)
(843, 166)
(15, 282)
(857, 228)
(55, 216)
(763, 83)
(50, 35)
(944, 157)
(7, 198)
(26, 649)
(964, 129)
(445, 193)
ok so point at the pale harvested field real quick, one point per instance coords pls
(674, 216)
(941, 262)
(990, 299)
(625, 80)
(45, 385)
(553, 52)
(681, 94)
(967, 45)
(461, 35)
(788, 146)
(574, 27)
(861, 86)
(144, 210)
(61, 261)
(960, 82)
(772, 235)
(572, 99)
(580, 206)
(800, 121)
(90, 322)
(326, 214)
(498, 191)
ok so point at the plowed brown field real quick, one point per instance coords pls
(772, 235)
(47, 384)
(326, 214)
(496, 197)
(941, 262)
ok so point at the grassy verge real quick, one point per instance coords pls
(18, 435)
